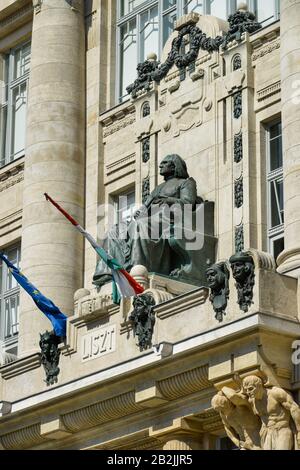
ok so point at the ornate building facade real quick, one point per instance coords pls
(207, 358)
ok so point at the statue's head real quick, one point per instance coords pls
(242, 266)
(221, 403)
(173, 166)
(253, 387)
(217, 276)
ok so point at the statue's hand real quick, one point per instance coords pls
(141, 211)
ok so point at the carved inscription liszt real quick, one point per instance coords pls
(99, 343)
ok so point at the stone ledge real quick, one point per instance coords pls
(21, 366)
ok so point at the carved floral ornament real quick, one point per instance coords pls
(153, 71)
(259, 416)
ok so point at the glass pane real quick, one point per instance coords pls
(22, 61)
(279, 189)
(278, 247)
(11, 316)
(149, 33)
(276, 159)
(168, 4)
(128, 5)
(11, 283)
(168, 26)
(266, 11)
(3, 134)
(126, 206)
(193, 5)
(217, 8)
(275, 130)
(128, 55)
(276, 197)
(19, 119)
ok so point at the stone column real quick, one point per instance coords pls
(183, 442)
(289, 260)
(52, 250)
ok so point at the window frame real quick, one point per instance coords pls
(11, 85)
(10, 341)
(273, 176)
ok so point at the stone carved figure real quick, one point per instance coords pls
(218, 281)
(242, 265)
(278, 412)
(241, 425)
(50, 356)
(143, 319)
(151, 238)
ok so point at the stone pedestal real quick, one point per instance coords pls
(52, 251)
(289, 260)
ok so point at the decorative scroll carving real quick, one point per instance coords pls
(238, 147)
(259, 417)
(218, 281)
(239, 192)
(101, 412)
(143, 319)
(146, 149)
(237, 62)
(146, 109)
(50, 356)
(242, 266)
(237, 104)
(185, 383)
(145, 189)
(239, 239)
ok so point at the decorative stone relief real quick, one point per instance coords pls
(237, 105)
(143, 319)
(218, 281)
(145, 189)
(146, 150)
(146, 109)
(239, 238)
(50, 356)
(258, 416)
(242, 266)
(238, 147)
(239, 192)
(237, 62)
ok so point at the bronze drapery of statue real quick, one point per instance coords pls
(165, 234)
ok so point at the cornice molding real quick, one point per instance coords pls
(101, 412)
(187, 382)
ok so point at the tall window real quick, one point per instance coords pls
(9, 301)
(13, 99)
(275, 190)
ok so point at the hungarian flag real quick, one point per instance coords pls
(52, 312)
(123, 284)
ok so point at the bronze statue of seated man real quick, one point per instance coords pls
(161, 230)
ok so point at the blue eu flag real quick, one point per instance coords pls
(57, 318)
